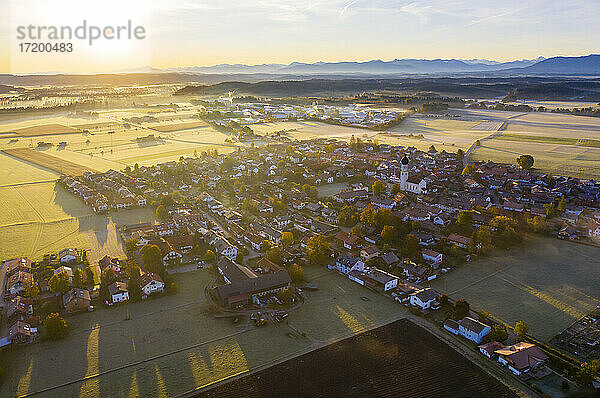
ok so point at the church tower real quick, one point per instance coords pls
(404, 172)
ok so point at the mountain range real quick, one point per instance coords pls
(556, 65)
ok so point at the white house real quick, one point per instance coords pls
(225, 248)
(469, 328)
(594, 230)
(118, 293)
(151, 283)
(346, 263)
(433, 256)
(423, 298)
(473, 330)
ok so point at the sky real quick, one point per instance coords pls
(207, 32)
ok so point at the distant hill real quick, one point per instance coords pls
(451, 87)
(7, 89)
(586, 65)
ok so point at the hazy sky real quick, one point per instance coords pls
(206, 32)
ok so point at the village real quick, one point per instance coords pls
(226, 112)
(386, 217)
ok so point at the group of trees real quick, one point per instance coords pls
(311, 191)
(503, 232)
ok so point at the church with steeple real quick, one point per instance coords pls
(414, 185)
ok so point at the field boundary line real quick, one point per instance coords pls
(28, 183)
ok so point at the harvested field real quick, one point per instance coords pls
(396, 360)
(549, 283)
(553, 158)
(15, 171)
(45, 129)
(488, 126)
(169, 346)
(43, 217)
(48, 161)
(550, 140)
(165, 128)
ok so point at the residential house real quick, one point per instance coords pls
(76, 300)
(68, 255)
(345, 263)
(458, 240)
(17, 264)
(369, 252)
(151, 283)
(19, 309)
(424, 298)
(521, 357)
(472, 329)
(19, 333)
(17, 281)
(390, 258)
(489, 349)
(118, 293)
(347, 240)
(432, 256)
(107, 262)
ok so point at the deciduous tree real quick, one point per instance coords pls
(59, 283)
(317, 250)
(460, 309)
(55, 326)
(378, 188)
(521, 329)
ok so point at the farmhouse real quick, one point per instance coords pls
(381, 280)
(352, 196)
(244, 286)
